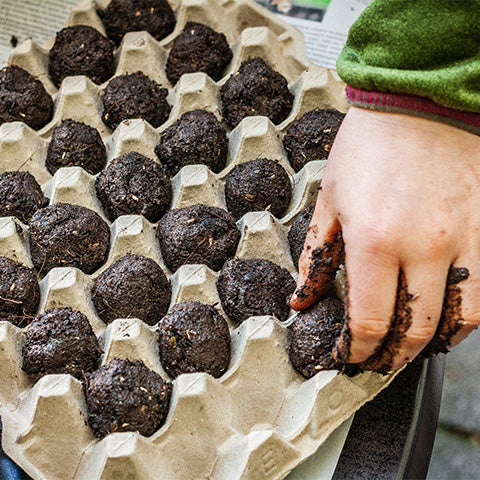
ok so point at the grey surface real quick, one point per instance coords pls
(461, 393)
(456, 453)
(454, 458)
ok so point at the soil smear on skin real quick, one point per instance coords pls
(60, 340)
(144, 395)
(323, 266)
(451, 319)
(382, 360)
(194, 338)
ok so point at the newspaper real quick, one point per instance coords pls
(325, 23)
(37, 19)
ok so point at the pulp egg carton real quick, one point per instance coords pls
(261, 418)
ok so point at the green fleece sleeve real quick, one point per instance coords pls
(429, 48)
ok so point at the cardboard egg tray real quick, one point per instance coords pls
(261, 418)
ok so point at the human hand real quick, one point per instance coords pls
(405, 193)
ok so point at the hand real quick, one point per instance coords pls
(405, 193)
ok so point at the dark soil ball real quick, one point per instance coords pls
(123, 16)
(133, 287)
(23, 98)
(314, 333)
(197, 137)
(60, 341)
(298, 233)
(198, 48)
(20, 195)
(194, 338)
(75, 144)
(19, 292)
(126, 396)
(311, 136)
(81, 50)
(64, 235)
(132, 184)
(256, 89)
(134, 96)
(260, 184)
(254, 287)
(197, 234)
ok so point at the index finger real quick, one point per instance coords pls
(321, 256)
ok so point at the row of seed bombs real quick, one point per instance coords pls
(125, 395)
(188, 334)
(82, 50)
(255, 89)
(192, 337)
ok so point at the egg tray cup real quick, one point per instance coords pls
(261, 418)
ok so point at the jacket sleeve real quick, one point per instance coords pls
(419, 55)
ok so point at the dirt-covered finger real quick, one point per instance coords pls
(321, 257)
(370, 301)
(417, 314)
(461, 306)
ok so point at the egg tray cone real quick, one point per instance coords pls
(261, 418)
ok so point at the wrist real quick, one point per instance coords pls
(413, 105)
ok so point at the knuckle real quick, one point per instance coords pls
(436, 248)
(421, 334)
(368, 328)
(376, 237)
